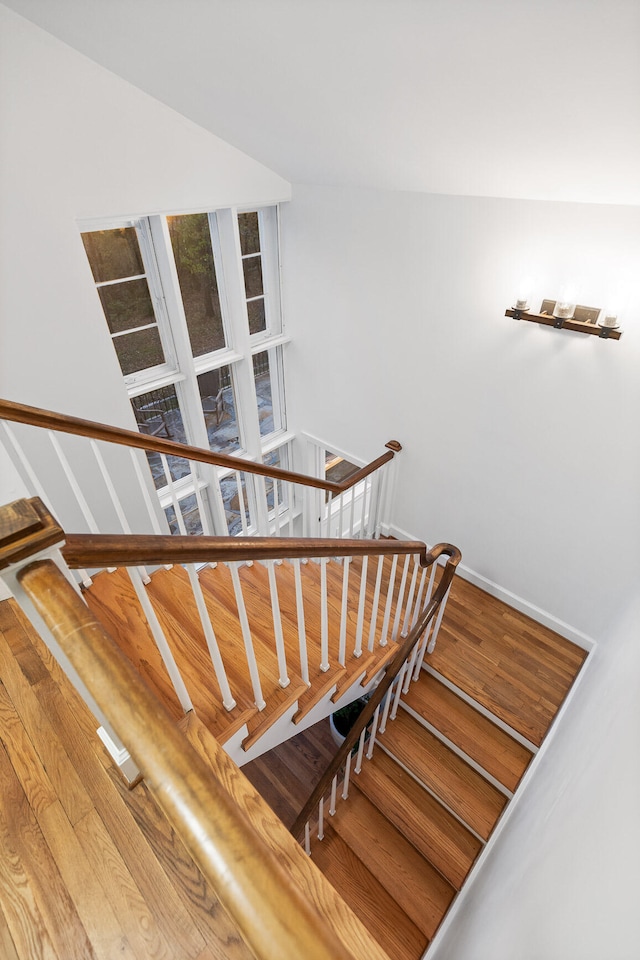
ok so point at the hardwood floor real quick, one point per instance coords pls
(88, 869)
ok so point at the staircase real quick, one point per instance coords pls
(420, 811)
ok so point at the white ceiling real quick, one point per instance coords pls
(514, 98)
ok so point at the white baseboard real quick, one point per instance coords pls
(513, 600)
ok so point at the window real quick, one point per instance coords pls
(192, 303)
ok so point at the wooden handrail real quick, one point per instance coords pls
(128, 550)
(274, 919)
(378, 695)
(48, 420)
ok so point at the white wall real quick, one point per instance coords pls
(519, 440)
(80, 142)
(520, 445)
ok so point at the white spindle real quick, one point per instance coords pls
(372, 522)
(155, 523)
(410, 668)
(409, 603)
(387, 706)
(115, 500)
(334, 790)
(361, 604)
(423, 650)
(436, 629)
(344, 612)
(241, 503)
(324, 617)
(283, 679)
(384, 635)
(321, 819)
(329, 503)
(345, 783)
(352, 511)
(247, 640)
(374, 730)
(204, 514)
(396, 698)
(306, 507)
(376, 601)
(212, 644)
(363, 737)
(418, 607)
(302, 632)
(432, 577)
(400, 601)
(307, 838)
(174, 499)
(341, 516)
(363, 512)
(290, 491)
(160, 640)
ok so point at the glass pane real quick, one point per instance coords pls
(190, 515)
(191, 242)
(235, 503)
(139, 350)
(262, 378)
(249, 233)
(127, 305)
(253, 277)
(257, 319)
(219, 408)
(158, 415)
(113, 253)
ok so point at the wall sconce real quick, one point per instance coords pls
(564, 315)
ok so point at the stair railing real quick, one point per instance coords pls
(259, 496)
(273, 917)
(378, 624)
(405, 664)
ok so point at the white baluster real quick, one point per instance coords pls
(153, 516)
(242, 504)
(388, 697)
(434, 567)
(409, 604)
(363, 511)
(389, 603)
(302, 632)
(160, 640)
(307, 839)
(276, 509)
(376, 601)
(374, 730)
(344, 611)
(212, 644)
(358, 766)
(417, 607)
(283, 679)
(352, 511)
(115, 500)
(400, 601)
(436, 629)
(324, 617)
(328, 502)
(423, 650)
(372, 519)
(204, 514)
(246, 637)
(341, 516)
(396, 698)
(334, 790)
(306, 507)
(347, 773)
(174, 498)
(410, 668)
(321, 819)
(361, 604)
(262, 507)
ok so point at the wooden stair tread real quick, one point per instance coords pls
(289, 853)
(491, 747)
(405, 874)
(377, 909)
(457, 784)
(441, 838)
(515, 667)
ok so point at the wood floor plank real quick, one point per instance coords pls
(27, 764)
(496, 752)
(56, 918)
(457, 784)
(442, 839)
(379, 911)
(404, 873)
(8, 949)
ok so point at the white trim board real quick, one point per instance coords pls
(513, 600)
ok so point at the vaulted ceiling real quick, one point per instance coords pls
(512, 98)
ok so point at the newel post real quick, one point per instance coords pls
(29, 532)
